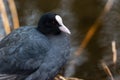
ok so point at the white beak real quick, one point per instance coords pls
(62, 27)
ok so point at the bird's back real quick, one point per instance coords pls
(23, 49)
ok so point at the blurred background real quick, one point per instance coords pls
(95, 27)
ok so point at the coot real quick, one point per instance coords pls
(36, 53)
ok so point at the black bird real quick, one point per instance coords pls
(36, 53)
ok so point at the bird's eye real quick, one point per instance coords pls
(53, 22)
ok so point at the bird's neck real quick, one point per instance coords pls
(58, 40)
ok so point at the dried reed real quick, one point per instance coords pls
(107, 70)
(4, 17)
(114, 52)
(94, 27)
(14, 13)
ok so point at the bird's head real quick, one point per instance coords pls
(51, 23)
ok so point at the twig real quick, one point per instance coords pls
(4, 17)
(94, 27)
(114, 52)
(107, 70)
(14, 13)
(59, 77)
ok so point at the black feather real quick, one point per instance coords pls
(30, 53)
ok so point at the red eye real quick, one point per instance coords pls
(53, 22)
